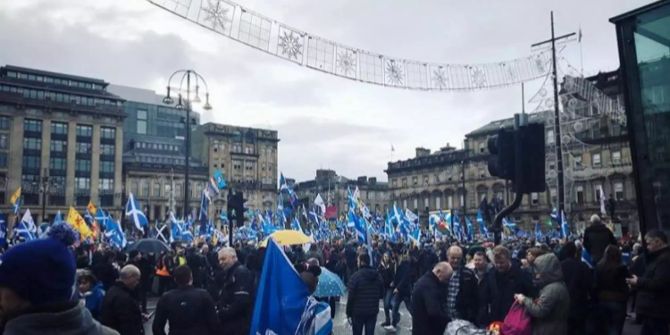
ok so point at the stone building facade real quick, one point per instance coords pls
(334, 191)
(61, 141)
(596, 155)
(247, 157)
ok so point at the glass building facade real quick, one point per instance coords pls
(644, 50)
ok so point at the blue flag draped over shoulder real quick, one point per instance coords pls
(281, 296)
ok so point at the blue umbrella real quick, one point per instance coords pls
(330, 285)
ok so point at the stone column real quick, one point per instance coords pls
(71, 157)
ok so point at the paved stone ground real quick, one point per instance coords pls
(341, 326)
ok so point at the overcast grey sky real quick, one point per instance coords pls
(323, 121)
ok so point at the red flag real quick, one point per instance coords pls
(331, 212)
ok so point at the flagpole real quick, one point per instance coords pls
(581, 55)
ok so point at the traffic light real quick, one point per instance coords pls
(531, 178)
(239, 209)
(518, 156)
(501, 148)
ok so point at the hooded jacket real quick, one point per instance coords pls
(550, 310)
(65, 319)
(365, 289)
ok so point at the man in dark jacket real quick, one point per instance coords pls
(365, 289)
(141, 262)
(596, 238)
(120, 308)
(235, 303)
(579, 280)
(189, 310)
(430, 292)
(653, 292)
(462, 294)
(499, 286)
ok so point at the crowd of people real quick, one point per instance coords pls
(51, 286)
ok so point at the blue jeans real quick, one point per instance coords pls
(388, 304)
(397, 299)
(360, 322)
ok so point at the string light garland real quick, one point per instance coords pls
(243, 25)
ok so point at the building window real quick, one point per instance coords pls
(237, 165)
(4, 141)
(578, 162)
(83, 148)
(83, 165)
(58, 163)
(82, 184)
(59, 128)
(425, 180)
(596, 160)
(616, 157)
(32, 125)
(415, 180)
(84, 130)
(618, 191)
(106, 184)
(157, 189)
(579, 195)
(31, 143)
(107, 133)
(144, 190)
(550, 137)
(141, 121)
(5, 122)
(107, 149)
(58, 146)
(404, 182)
(107, 166)
(534, 198)
(3, 161)
(31, 162)
(482, 148)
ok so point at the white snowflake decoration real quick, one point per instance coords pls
(217, 15)
(440, 78)
(393, 73)
(346, 62)
(290, 45)
(478, 77)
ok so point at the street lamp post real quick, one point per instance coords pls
(44, 188)
(188, 76)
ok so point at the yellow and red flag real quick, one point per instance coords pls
(77, 222)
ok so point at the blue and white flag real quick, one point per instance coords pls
(58, 219)
(482, 225)
(3, 231)
(565, 229)
(471, 229)
(295, 225)
(204, 208)
(586, 258)
(220, 180)
(26, 230)
(281, 297)
(283, 186)
(538, 232)
(116, 235)
(415, 235)
(359, 225)
(136, 215)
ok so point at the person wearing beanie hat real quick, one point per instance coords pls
(37, 288)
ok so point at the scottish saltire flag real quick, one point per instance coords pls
(283, 186)
(15, 199)
(3, 231)
(26, 230)
(206, 229)
(115, 235)
(223, 216)
(388, 228)
(161, 231)
(268, 227)
(482, 225)
(471, 230)
(538, 232)
(554, 214)
(359, 225)
(586, 258)
(603, 209)
(136, 215)
(295, 225)
(219, 179)
(58, 218)
(411, 216)
(204, 208)
(565, 229)
(281, 297)
(415, 235)
(316, 318)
